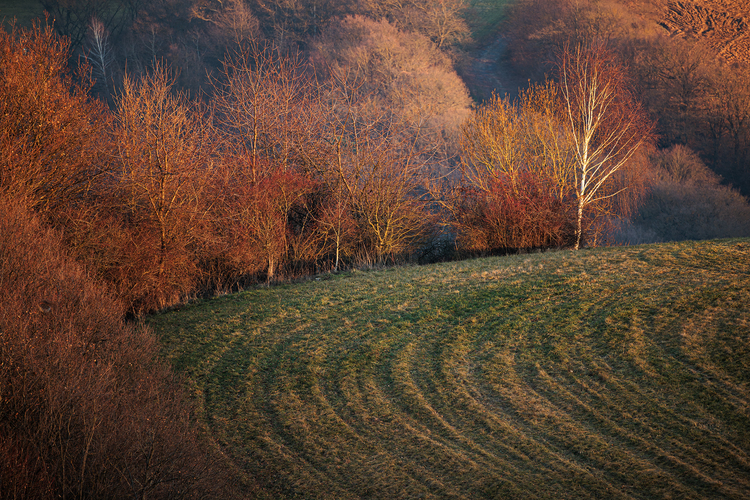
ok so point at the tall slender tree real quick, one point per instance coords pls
(98, 52)
(605, 122)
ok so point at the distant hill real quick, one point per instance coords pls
(605, 373)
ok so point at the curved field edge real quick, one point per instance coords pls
(607, 373)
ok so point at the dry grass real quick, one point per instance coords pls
(609, 373)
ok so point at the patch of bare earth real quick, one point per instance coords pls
(723, 25)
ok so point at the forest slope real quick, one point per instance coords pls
(606, 373)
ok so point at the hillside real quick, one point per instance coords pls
(605, 373)
(721, 24)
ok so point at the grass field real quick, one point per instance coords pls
(606, 373)
(484, 18)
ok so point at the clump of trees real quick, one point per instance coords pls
(556, 166)
(289, 166)
(283, 169)
(193, 36)
(403, 73)
(699, 102)
(696, 101)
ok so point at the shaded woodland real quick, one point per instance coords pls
(156, 152)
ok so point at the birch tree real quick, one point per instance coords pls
(606, 125)
(99, 54)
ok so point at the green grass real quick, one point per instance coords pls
(484, 18)
(24, 11)
(606, 373)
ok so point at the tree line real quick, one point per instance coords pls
(131, 35)
(292, 167)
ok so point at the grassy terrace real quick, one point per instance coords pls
(608, 373)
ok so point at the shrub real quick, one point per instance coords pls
(510, 217)
(257, 217)
(676, 211)
(87, 410)
(686, 202)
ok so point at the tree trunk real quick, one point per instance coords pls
(269, 276)
(579, 225)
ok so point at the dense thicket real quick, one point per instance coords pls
(557, 166)
(50, 129)
(88, 410)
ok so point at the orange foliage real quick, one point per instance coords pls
(87, 410)
(52, 136)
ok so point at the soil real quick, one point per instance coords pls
(723, 25)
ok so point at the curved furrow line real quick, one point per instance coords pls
(562, 426)
(559, 396)
(500, 377)
(297, 418)
(617, 403)
(367, 402)
(279, 444)
(562, 465)
(437, 446)
(628, 445)
(356, 398)
(510, 455)
(610, 398)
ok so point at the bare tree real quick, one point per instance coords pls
(99, 54)
(381, 170)
(265, 111)
(72, 17)
(164, 155)
(605, 123)
(441, 20)
(261, 104)
(51, 147)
